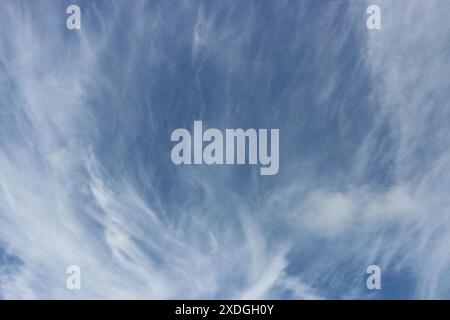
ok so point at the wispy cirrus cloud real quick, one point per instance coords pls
(85, 176)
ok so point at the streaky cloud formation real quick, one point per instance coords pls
(86, 176)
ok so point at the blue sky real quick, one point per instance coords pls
(85, 171)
